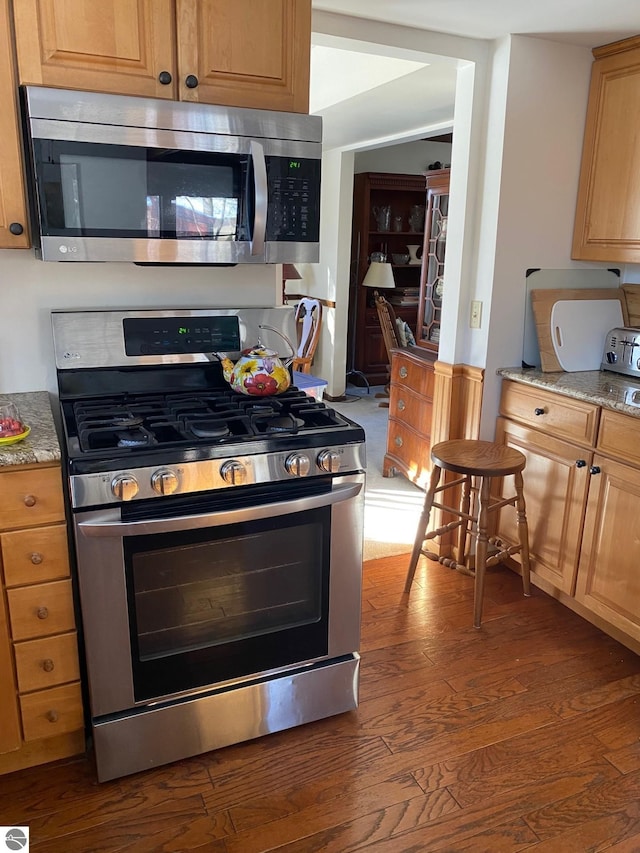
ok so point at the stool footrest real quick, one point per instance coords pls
(447, 528)
(501, 555)
(449, 563)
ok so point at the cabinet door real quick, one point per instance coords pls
(245, 53)
(13, 211)
(432, 280)
(9, 720)
(120, 47)
(608, 577)
(607, 226)
(556, 479)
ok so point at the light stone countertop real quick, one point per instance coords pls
(601, 387)
(41, 445)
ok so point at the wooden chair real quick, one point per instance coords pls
(308, 324)
(477, 462)
(389, 327)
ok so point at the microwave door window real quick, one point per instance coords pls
(122, 191)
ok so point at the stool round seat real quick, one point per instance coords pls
(477, 458)
(467, 514)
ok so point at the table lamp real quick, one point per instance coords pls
(379, 276)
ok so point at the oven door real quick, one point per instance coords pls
(219, 590)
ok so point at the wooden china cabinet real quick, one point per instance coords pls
(403, 196)
(432, 271)
(412, 373)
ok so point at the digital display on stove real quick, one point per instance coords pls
(179, 335)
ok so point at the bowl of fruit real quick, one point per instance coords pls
(12, 428)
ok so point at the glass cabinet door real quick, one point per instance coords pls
(432, 281)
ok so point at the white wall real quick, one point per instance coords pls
(31, 289)
(407, 158)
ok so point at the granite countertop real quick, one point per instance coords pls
(601, 387)
(42, 444)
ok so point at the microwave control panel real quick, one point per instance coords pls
(293, 214)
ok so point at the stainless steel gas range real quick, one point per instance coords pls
(218, 537)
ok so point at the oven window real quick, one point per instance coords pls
(209, 606)
(91, 190)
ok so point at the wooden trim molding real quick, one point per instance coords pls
(457, 401)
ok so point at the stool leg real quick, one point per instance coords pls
(481, 550)
(523, 532)
(465, 505)
(422, 526)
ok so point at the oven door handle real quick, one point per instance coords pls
(107, 527)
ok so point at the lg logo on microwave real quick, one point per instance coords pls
(64, 249)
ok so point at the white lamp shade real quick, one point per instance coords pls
(379, 275)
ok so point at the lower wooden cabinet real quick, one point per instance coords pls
(41, 709)
(410, 415)
(608, 577)
(583, 506)
(556, 480)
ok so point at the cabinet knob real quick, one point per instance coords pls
(538, 411)
(52, 716)
(16, 229)
(595, 469)
(191, 81)
(580, 463)
(403, 372)
(398, 441)
(165, 78)
(48, 665)
(30, 500)
(401, 405)
(42, 613)
(36, 558)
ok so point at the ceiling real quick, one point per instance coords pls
(369, 101)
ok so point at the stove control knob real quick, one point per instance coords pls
(234, 473)
(164, 481)
(124, 487)
(329, 461)
(298, 464)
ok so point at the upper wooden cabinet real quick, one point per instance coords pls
(13, 210)
(244, 53)
(607, 226)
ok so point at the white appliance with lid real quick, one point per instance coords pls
(622, 350)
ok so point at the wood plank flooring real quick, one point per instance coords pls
(523, 735)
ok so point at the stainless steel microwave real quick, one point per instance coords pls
(120, 178)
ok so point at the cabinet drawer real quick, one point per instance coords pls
(52, 712)
(35, 555)
(560, 416)
(41, 610)
(408, 407)
(411, 447)
(47, 662)
(406, 373)
(619, 435)
(30, 497)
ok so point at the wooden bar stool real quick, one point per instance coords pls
(478, 462)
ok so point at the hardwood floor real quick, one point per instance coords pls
(522, 735)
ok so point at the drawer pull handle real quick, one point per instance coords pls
(595, 469)
(36, 558)
(580, 463)
(538, 411)
(401, 405)
(42, 613)
(398, 441)
(30, 500)
(403, 372)
(48, 665)
(52, 716)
